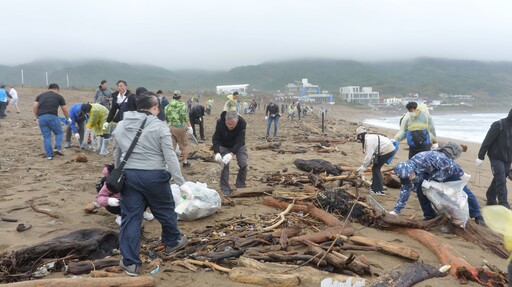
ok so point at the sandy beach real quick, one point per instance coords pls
(65, 187)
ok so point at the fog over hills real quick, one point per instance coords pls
(426, 76)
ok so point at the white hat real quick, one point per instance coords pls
(360, 130)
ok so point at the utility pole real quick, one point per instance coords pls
(22, 79)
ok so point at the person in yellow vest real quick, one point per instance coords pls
(418, 128)
(232, 102)
(94, 127)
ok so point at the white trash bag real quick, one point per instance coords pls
(449, 199)
(206, 201)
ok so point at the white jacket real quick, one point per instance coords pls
(371, 143)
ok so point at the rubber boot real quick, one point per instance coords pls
(99, 144)
(104, 146)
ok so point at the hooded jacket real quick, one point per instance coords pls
(196, 112)
(176, 113)
(419, 120)
(97, 118)
(154, 149)
(231, 139)
(497, 143)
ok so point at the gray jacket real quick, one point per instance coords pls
(154, 149)
(98, 97)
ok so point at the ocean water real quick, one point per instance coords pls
(466, 127)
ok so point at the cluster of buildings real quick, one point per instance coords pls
(305, 91)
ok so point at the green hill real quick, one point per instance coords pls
(426, 76)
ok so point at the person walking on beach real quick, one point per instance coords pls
(14, 99)
(163, 103)
(78, 114)
(437, 165)
(177, 117)
(229, 140)
(4, 95)
(103, 94)
(291, 111)
(209, 106)
(418, 128)
(497, 145)
(151, 165)
(45, 110)
(272, 115)
(378, 150)
(119, 103)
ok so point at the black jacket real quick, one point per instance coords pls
(195, 113)
(272, 110)
(116, 112)
(498, 141)
(231, 139)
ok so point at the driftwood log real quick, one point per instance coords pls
(317, 166)
(93, 243)
(460, 268)
(387, 247)
(328, 234)
(125, 281)
(306, 275)
(407, 275)
(84, 267)
(253, 192)
(339, 261)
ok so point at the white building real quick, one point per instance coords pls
(353, 94)
(229, 89)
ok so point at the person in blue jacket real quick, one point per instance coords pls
(78, 116)
(438, 165)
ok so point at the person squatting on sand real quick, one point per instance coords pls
(148, 170)
(229, 140)
(497, 145)
(378, 150)
(110, 200)
(438, 165)
(45, 110)
(177, 118)
(79, 114)
(272, 115)
(417, 127)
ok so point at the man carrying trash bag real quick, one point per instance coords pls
(439, 166)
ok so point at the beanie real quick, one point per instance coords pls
(451, 149)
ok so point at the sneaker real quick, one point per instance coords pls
(67, 145)
(131, 270)
(227, 192)
(186, 164)
(182, 242)
(58, 152)
(118, 220)
(480, 220)
(49, 158)
(377, 192)
(148, 216)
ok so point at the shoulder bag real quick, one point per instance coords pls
(115, 180)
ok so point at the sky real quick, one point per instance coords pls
(222, 34)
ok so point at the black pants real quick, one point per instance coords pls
(498, 188)
(3, 106)
(201, 128)
(376, 174)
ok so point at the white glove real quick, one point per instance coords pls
(186, 191)
(69, 120)
(190, 131)
(392, 212)
(478, 162)
(266, 117)
(227, 158)
(77, 136)
(113, 201)
(435, 146)
(218, 158)
(465, 177)
(105, 126)
(361, 170)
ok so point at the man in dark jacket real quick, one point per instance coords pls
(196, 116)
(229, 140)
(272, 115)
(498, 147)
(120, 100)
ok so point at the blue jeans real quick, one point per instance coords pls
(141, 188)
(48, 124)
(271, 119)
(429, 212)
